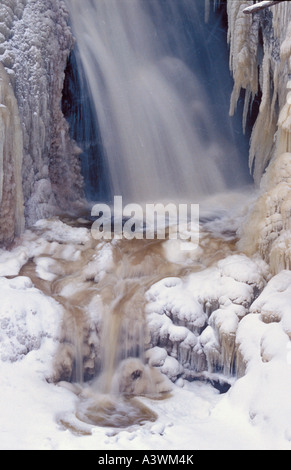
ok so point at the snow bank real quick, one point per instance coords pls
(27, 318)
(263, 346)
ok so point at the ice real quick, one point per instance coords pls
(196, 319)
(246, 61)
(35, 41)
(266, 229)
(271, 214)
(195, 418)
(11, 156)
(12, 261)
(263, 342)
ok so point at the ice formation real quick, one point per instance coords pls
(260, 60)
(196, 321)
(11, 154)
(35, 41)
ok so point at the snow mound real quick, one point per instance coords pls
(27, 318)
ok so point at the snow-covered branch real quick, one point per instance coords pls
(260, 6)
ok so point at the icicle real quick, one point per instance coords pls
(245, 61)
(267, 228)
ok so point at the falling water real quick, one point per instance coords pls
(161, 109)
(104, 339)
(164, 136)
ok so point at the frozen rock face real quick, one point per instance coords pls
(258, 63)
(11, 148)
(35, 41)
(263, 42)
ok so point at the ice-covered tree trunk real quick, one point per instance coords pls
(35, 41)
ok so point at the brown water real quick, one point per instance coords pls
(104, 332)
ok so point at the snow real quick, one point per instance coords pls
(27, 317)
(215, 312)
(273, 303)
(228, 322)
(195, 417)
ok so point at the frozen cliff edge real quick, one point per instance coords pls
(260, 50)
(35, 41)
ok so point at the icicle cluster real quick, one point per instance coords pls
(260, 49)
(35, 41)
(257, 66)
(193, 323)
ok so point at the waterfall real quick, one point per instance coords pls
(162, 109)
(165, 133)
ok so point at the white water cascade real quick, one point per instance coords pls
(160, 135)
